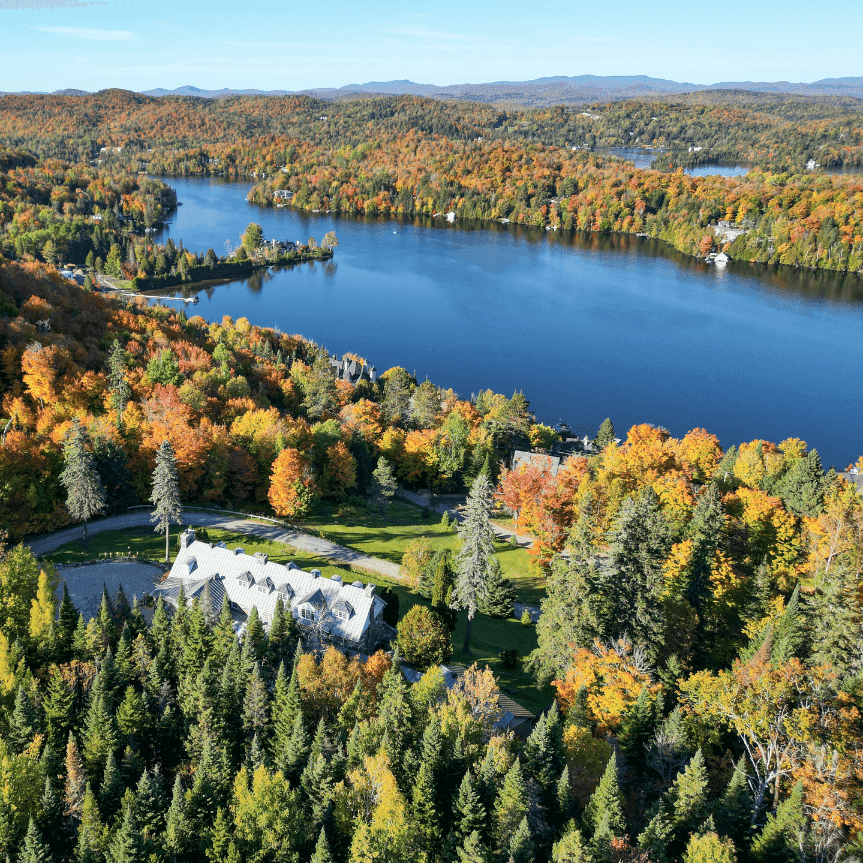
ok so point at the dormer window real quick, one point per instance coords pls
(307, 614)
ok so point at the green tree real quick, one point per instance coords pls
(606, 803)
(605, 435)
(802, 486)
(475, 560)
(34, 850)
(253, 237)
(23, 723)
(120, 390)
(521, 848)
(500, 594)
(99, 734)
(781, 838)
(126, 845)
(469, 814)
(166, 494)
(85, 494)
(511, 807)
(835, 619)
(570, 848)
(384, 485)
(423, 638)
(322, 848)
(472, 850)
(92, 833)
(164, 368)
(396, 401)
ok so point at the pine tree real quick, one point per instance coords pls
(34, 850)
(91, 832)
(836, 619)
(636, 730)
(50, 819)
(166, 494)
(521, 847)
(732, 813)
(322, 849)
(605, 435)
(606, 801)
(85, 494)
(79, 640)
(632, 578)
(150, 804)
(111, 790)
(198, 641)
(178, 832)
(283, 634)
(570, 848)
(499, 598)
(73, 798)
(472, 850)
(295, 753)
(563, 798)
(220, 838)
(476, 552)
(383, 485)
(67, 620)
(802, 486)
(127, 845)
(469, 814)
(108, 628)
(255, 705)
(23, 723)
(99, 735)
(254, 639)
(286, 705)
(425, 814)
(781, 837)
(511, 806)
(121, 392)
(224, 636)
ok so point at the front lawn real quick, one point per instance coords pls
(387, 536)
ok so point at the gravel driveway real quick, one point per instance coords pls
(86, 582)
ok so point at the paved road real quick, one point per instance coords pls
(303, 541)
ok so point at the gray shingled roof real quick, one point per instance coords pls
(232, 564)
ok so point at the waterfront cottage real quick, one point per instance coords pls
(350, 616)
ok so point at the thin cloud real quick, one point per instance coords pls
(426, 34)
(90, 33)
(49, 4)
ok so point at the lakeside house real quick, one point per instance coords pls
(352, 370)
(349, 616)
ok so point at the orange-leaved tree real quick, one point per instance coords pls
(292, 485)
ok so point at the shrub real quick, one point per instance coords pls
(415, 560)
(525, 618)
(445, 519)
(508, 657)
(513, 541)
(423, 638)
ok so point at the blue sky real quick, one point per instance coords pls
(52, 44)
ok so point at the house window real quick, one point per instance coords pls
(342, 614)
(307, 614)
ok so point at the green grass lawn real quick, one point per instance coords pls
(489, 635)
(387, 537)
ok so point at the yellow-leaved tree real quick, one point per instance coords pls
(43, 607)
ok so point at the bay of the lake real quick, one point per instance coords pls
(586, 327)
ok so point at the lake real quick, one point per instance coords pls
(586, 327)
(644, 158)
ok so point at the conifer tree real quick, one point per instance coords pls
(99, 734)
(607, 802)
(67, 620)
(34, 850)
(283, 634)
(178, 833)
(543, 754)
(23, 723)
(121, 392)
(80, 648)
(292, 757)
(472, 850)
(500, 596)
(521, 847)
(476, 553)
(469, 814)
(732, 813)
(322, 849)
(111, 790)
(563, 798)
(220, 838)
(166, 494)
(150, 805)
(511, 806)
(85, 494)
(781, 837)
(255, 705)
(605, 435)
(126, 845)
(224, 636)
(254, 639)
(835, 621)
(570, 848)
(91, 832)
(50, 819)
(384, 485)
(636, 730)
(198, 642)
(425, 814)
(73, 798)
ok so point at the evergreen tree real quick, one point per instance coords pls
(469, 814)
(521, 848)
(150, 805)
(34, 850)
(295, 753)
(283, 634)
(126, 845)
(606, 802)
(76, 782)
(67, 620)
(111, 790)
(570, 848)
(472, 850)
(499, 598)
(476, 552)
(636, 731)
(178, 831)
(50, 819)
(197, 643)
(384, 485)
(121, 392)
(632, 580)
(85, 494)
(322, 849)
(166, 494)
(605, 435)
(732, 813)
(91, 832)
(254, 639)
(426, 815)
(781, 838)
(802, 486)
(113, 471)
(99, 735)
(788, 633)
(255, 706)
(220, 838)
(23, 723)
(835, 621)
(511, 807)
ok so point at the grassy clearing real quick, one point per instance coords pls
(387, 537)
(489, 635)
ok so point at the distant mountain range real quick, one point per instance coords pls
(557, 90)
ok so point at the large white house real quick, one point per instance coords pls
(350, 615)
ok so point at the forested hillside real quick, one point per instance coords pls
(702, 633)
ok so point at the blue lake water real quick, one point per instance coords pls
(643, 159)
(586, 327)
